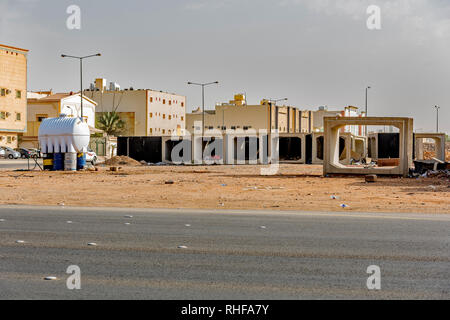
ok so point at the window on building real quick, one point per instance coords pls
(164, 101)
(170, 102)
(2, 115)
(9, 139)
(151, 99)
(41, 117)
(18, 116)
(182, 104)
(18, 94)
(164, 115)
(224, 128)
(151, 115)
(182, 118)
(2, 92)
(164, 131)
(170, 117)
(151, 130)
(233, 128)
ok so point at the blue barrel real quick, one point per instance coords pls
(58, 161)
(81, 161)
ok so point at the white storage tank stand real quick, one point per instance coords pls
(64, 135)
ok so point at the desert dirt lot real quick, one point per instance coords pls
(296, 187)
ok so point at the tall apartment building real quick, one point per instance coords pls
(238, 115)
(145, 112)
(13, 94)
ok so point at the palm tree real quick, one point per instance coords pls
(110, 123)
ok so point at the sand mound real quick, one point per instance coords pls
(122, 160)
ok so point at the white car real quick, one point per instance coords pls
(2, 153)
(11, 153)
(91, 157)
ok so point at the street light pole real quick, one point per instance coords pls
(203, 85)
(367, 93)
(437, 118)
(81, 76)
(367, 100)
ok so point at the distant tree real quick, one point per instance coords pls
(110, 123)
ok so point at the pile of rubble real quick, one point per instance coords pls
(440, 174)
(431, 169)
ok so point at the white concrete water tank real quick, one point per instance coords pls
(63, 134)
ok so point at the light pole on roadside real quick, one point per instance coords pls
(437, 118)
(203, 85)
(81, 75)
(367, 104)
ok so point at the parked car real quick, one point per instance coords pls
(91, 156)
(35, 153)
(24, 153)
(11, 153)
(2, 153)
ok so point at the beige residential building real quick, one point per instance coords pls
(145, 112)
(350, 111)
(46, 104)
(13, 94)
(238, 115)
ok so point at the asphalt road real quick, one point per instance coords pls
(228, 255)
(18, 164)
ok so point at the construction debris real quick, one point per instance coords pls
(371, 178)
(122, 160)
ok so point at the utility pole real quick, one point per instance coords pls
(437, 118)
(367, 104)
(81, 76)
(203, 85)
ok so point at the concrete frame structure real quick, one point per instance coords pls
(439, 139)
(331, 163)
(236, 140)
(350, 146)
(227, 145)
(302, 137)
(211, 139)
(188, 156)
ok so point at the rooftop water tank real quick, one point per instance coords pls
(63, 134)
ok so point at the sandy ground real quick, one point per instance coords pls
(296, 187)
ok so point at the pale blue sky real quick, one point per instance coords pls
(315, 52)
